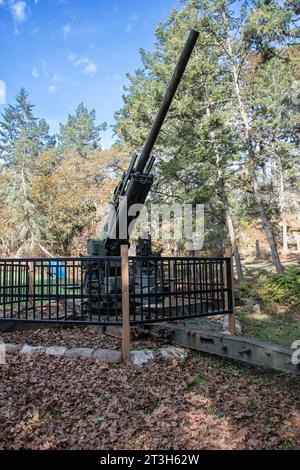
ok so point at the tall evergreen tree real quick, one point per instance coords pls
(217, 124)
(22, 138)
(81, 132)
(22, 135)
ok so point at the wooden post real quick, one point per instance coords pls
(125, 305)
(257, 250)
(30, 282)
(231, 316)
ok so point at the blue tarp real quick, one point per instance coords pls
(57, 270)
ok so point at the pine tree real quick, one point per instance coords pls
(22, 136)
(216, 127)
(81, 132)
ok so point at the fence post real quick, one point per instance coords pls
(30, 281)
(125, 304)
(231, 316)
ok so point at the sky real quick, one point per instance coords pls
(65, 52)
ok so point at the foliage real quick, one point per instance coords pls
(285, 288)
(22, 135)
(274, 288)
(230, 140)
(235, 92)
(268, 328)
(52, 196)
(81, 133)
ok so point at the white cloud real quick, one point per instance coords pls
(132, 22)
(2, 92)
(18, 11)
(67, 29)
(89, 68)
(52, 88)
(86, 66)
(35, 73)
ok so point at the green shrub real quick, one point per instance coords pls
(280, 288)
(274, 288)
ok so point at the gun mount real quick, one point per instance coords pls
(137, 181)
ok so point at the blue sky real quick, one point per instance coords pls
(69, 51)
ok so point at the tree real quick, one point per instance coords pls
(81, 132)
(218, 131)
(195, 130)
(70, 197)
(49, 194)
(22, 137)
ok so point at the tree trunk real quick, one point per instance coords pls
(229, 218)
(232, 235)
(251, 156)
(282, 208)
(285, 244)
(266, 224)
(257, 250)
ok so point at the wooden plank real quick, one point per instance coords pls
(231, 316)
(30, 281)
(125, 305)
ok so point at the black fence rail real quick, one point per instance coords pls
(89, 290)
(164, 289)
(56, 291)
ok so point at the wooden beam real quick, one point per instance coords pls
(125, 305)
(231, 316)
(30, 282)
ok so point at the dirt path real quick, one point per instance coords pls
(254, 267)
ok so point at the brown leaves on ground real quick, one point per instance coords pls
(207, 403)
(60, 336)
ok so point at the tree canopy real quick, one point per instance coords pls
(230, 140)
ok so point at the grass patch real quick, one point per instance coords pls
(274, 288)
(266, 328)
(197, 382)
(280, 296)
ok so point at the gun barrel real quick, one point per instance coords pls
(167, 101)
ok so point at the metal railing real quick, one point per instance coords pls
(168, 289)
(54, 291)
(89, 290)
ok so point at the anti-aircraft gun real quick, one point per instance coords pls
(133, 189)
